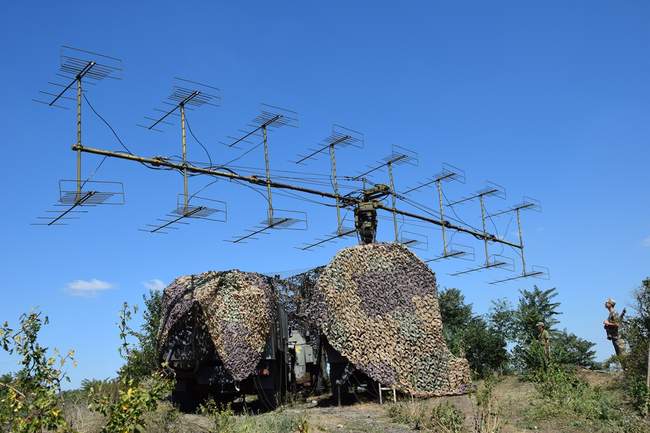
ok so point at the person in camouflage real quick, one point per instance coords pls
(612, 325)
(544, 339)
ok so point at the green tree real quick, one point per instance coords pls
(535, 306)
(518, 326)
(469, 335)
(569, 349)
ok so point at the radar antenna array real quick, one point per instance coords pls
(76, 196)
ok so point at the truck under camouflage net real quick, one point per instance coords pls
(371, 315)
(377, 307)
(224, 334)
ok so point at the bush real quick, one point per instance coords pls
(487, 418)
(126, 402)
(444, 417)
(636, 331)
(565, 397)
(126, 413)
(30, 400)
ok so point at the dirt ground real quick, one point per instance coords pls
(361, 415)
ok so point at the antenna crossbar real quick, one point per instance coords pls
(346, 200)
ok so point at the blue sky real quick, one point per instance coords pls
(550, 100)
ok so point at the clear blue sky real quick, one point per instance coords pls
(550, 100)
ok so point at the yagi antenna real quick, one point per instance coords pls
(71, 202)
(340, 137)
(414, 240)
(491, 261)
(271, 117)
(282, 219)
(345, 230)
(186, 95)
(449, 173)
(199, 208)
(456, 251)
(535, 271)
(77, 67)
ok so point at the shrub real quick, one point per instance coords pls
(444, 417)
(487, 418)
(225, 421)
(565, 397)
(636, 331)
(126, 413)
(126, 405)
(30, 401)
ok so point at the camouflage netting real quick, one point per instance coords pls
(237, 309)
(377, 305)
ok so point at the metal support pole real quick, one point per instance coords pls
(78, 197)
(442, 218)
(521, 243)
(394, 198)
(335, 185)
(184, 155)
(268, 174)
(485, 242)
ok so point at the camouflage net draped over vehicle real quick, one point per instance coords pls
(377, 305)
(237, 308)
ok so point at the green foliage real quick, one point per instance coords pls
(225, 421)
(518, 325)
(126, 413)
(142, 357)
(444, 417)
(569, 349)
(126, 405)
(487, 417)
(30, 401)
(564, 396)
(471, 336)
(636, 332)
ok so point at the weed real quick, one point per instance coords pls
(444, 417)
(487, 418)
